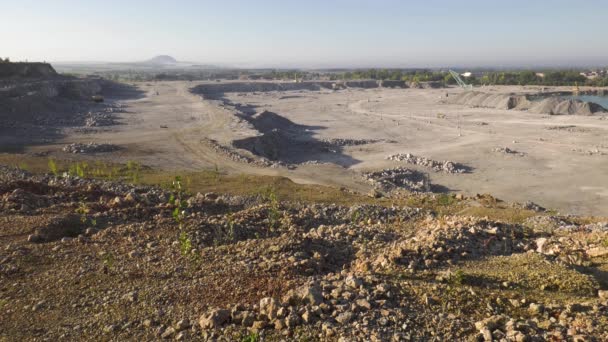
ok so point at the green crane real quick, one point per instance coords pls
(460, 81)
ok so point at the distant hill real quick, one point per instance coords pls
(162, 60)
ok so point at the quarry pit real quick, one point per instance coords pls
(331, 134)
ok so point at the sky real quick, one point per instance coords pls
(309, 33)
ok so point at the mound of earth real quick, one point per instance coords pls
(399, 178)
(551, 105)
(558, 106)
(90, 259)
(487, 100)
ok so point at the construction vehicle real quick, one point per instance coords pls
(459, 80)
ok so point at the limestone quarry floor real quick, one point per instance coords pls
(564, 164)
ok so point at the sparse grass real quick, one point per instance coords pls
(252, 337)
(133, 171)
(213, 180)
(53, 167)
(446, 200)
(241, 184)
(509, 215)
(530, 272)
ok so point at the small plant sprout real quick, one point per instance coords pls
(185, 244)
(231, 224)
(457, 278)
(355, 216)
(216, 173)
(274, 214)
(107, 260)
(53, 167)
(178, 214)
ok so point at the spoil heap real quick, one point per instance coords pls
(442, 166)
(399, 178)
(552, 105)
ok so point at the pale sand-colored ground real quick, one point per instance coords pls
(555, 171)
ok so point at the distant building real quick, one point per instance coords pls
(540, 74)
(467, 74)
(590, 74)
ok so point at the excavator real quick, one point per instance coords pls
(459, 80)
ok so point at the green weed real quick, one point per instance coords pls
(252, 337)
(53, 167)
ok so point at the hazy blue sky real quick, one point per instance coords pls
(309, 33)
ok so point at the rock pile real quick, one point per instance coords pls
(348, 142)
(96, 119)
(390, 179)
(234, 155)
(592, 152)
(90, 148)
(453, 239)
(437, 166)
(507, 150)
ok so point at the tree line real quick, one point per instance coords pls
(546, 77)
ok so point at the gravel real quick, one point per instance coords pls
(322, 272)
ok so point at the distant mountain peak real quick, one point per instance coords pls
(162, 60)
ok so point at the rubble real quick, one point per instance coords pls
(90, 148)
(506, 150)
(242, 266)
(348, 142)
(389, 179)
(237, 157)
(437, 166)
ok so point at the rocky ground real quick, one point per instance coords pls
(98, 260)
